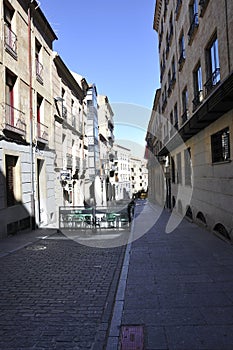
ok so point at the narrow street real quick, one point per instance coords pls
(163, 291)
(57, 294)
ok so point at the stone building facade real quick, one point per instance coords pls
(191, 127)
(26, 145)
(106, 141)
(49, 140)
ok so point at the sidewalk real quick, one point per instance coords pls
(179, 289)
(13, 243)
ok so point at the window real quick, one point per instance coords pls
(169, 83)
(12, 180)
(172, 130)
(38, 115)
(179, 173)
(167, 45)
(220, 146)
(64, 108)
(203, 4)
(213, 65)
(10, 110)
(193, 11)
(187, 166)
(173, 170)
(181, 51)
(173, 70)
(198, 88)
(171, 29)
(10, 37)
(185, 105)
(39, 66)
(178, 8)
(175, 117)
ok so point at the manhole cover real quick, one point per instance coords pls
(36, 247)
(132, 338)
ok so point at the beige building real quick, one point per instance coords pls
(191, 127)
(43, 118)
(106, 141)
(69, 124)
(26, 155)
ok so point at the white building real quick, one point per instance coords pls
(139, 174)
(121, 181)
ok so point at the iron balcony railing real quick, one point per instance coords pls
(39, 71)
(164, 103)
(64, 112)
(10, 40)
(78, 163)
(42, 132)
(181, 59)
(73, 121)
(14, 119)
(198, 98)
(69, 160)
(185, 116)
(212, 81)
(193, 26)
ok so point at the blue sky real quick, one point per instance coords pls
(111, 44)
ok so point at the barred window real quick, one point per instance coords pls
(220, 146)
(188, 166)
(11, 180)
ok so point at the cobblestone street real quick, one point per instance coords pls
(57, 294)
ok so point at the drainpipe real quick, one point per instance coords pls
(31, 119)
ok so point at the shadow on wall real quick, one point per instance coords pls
(14, 216)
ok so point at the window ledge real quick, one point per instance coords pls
(222, 162)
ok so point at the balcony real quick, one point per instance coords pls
(173, 129)
(78, 162)
(198, 98)
(164, 104)
(64, 112)
(10, 41)
(110, 136)
(193, 28)
(167, 49)
(170, 34)
(185, 116)
(14, 120)
(166, 138)
(73, 121)
(162, 72)
(213, 81)
(169, 90)
(203, 5)
(178, 8)
(42, 133)
(39, 70)
(213, 107)
(69, 161)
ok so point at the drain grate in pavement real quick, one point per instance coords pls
(132, 337)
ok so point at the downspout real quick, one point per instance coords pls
(31, 120)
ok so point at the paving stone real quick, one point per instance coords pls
(56, 298)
